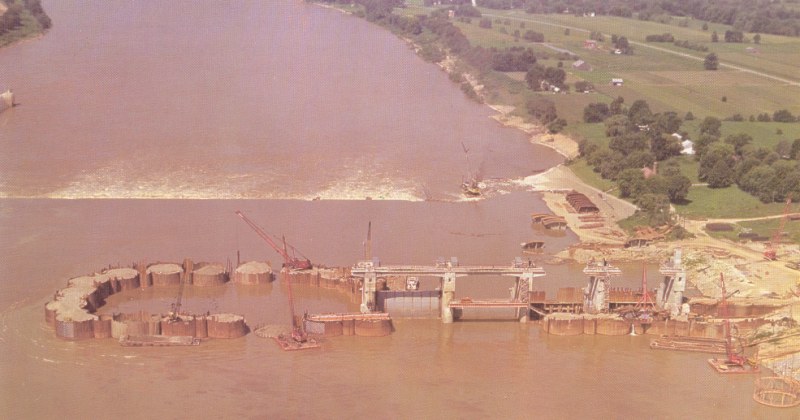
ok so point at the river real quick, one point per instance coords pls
(143, 126)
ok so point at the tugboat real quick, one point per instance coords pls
(471, 188)
(6, 100)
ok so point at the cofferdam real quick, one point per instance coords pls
(142, 127)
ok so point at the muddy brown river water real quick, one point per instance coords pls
(143, 126)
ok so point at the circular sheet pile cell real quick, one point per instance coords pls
(253, 272)
(777, 391)
(165, 274)
(209, 275)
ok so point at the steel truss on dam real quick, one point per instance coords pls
(447, 272)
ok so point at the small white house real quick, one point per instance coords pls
(688, 147)
(617, 82)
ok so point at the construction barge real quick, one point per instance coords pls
(158, 341)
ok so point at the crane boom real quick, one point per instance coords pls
(771, 253)
(289, 261)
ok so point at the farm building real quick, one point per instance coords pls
(688, 147)
(581, 65)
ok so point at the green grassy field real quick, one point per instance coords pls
(668, 82)
(764, 228)
(588, 176)
(765, 134)
(728, 202)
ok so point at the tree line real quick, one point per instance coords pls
(779, 17)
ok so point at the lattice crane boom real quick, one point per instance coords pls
(771, 253)
(289, 261)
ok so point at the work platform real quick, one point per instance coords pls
(492, 303)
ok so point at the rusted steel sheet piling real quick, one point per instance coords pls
(209, 275)
(72, 311)
(253, 273)
(165, 274)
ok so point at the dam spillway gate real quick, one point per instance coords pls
(447, 273)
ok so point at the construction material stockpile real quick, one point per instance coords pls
(581, 203)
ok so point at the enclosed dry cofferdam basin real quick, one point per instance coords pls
(72, 312)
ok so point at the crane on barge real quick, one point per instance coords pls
(297, 339)
(735, 361)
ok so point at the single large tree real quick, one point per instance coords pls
(711, 62)
(710, 126)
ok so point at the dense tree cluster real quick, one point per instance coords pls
(734, 36)
(665, 37)
(711, 62)
(621, 44)
(19, 9)
(533, 36)
(539, 77)
(513, 59)
(770, 175)
(638, 139)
